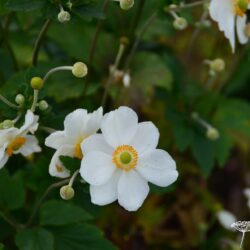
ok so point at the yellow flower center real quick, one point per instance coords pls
(16, 144)
(125, 157)
(240, 7)
(78, 151)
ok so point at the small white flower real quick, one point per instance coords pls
(78, 125)
(17, 141)
(226, 219)
(119, 163)
(228, 14)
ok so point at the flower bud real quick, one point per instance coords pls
(43, 105)
(63, 16)
(126, 4)
(36, 83)
(124, 40)
(67, 192)
(8, 124)
(247, 30)
(217, 65)
(79, 69)
(20, 99)
(180, 23)
(213, 134)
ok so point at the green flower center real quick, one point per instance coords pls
(125, 158)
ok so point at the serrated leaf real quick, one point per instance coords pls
(34, 239)
(80, 237)
(57, 213)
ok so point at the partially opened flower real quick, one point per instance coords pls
(17, 140)
(78, 125)
(119, 163)
(228, 14)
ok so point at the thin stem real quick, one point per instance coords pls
(95, 41)
(73, 178)
(242, 239)
(52, 71)
(191, 5)
(39, 41)
(35, 100)
(111, 74)
(47, 129)
(40, 201)
(138, 39)
(7, 102)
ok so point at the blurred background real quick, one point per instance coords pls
(166, 74)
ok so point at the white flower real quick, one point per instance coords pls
(119, 163)
(17, 141)
(78, 125)
(228, 14)
(226, 219)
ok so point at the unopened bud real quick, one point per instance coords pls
(43, 105)
(180, 23)
(124, 40)
(8, 124)
(213, 134)
(217, 65)
(67, 192)
(36, 83)
(63, 16)
(126, 4)
(79, 69)
(247, 30)
(20, 99)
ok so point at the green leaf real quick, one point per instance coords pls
(80, 237)
(24, 5)
(204, 153)
(1, 246)
(12, 191)
(34, 239)
(56, 213)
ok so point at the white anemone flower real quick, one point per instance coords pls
(228, 14)
(226, 219)
(119, 163)
(17, 140)
(78, 125)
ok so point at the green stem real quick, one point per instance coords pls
(7, 102)
(38, 42)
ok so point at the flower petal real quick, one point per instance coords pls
(94, 121)
(240, 28)
(107, 193)
(30, 146)
(30, 124)
(132, 190)
(222, 11)
(97, 168)
(157, 167)
(146, 137)
(3, 156)
(56, 140)
(75, 123)
(119, 126)
(96, 142)
(56, 167)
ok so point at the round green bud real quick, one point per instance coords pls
(217, 65)
(20, 99)
(126, 4)
(242, 4)
(63, 16)
(67, 192)
(180, 23)
(213, 134)
(43, 105)
(36, 83)
(79, 69)
(8, 124)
